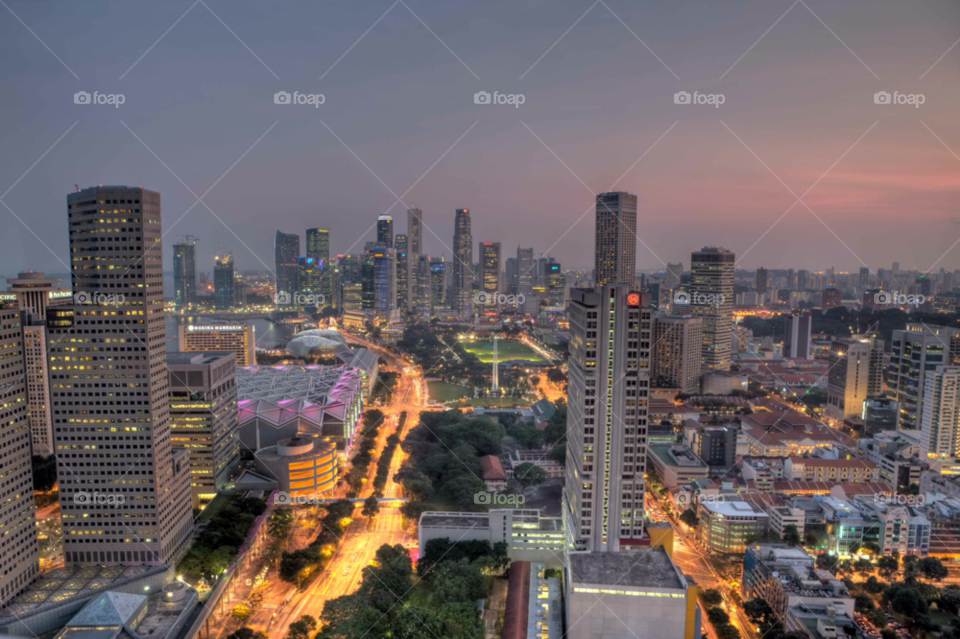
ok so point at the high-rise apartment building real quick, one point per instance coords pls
(385, 231)
(438, 282)
(711, 297)
(803, 280)
(940, 413)
(914, 353)
(223, 282)
(608, 383)
(423, 301)
(831, 298)
(109, 389)
(615, 248)
(462, 263)
(761, 281)
(414, 249)
(675, 357)
(797, 342)
(203, 415)
(855, 374)
(490, 256)
(184, 273)
(20, 556)
(286, 252)
(403, 271)
(239, 339)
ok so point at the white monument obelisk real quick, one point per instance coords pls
(496, 380)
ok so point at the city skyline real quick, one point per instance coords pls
(698, 182)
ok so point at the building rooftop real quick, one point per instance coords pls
(463, 521)
(491, 468)
(195, 358)
(647, 568)
(676, 455)
(733, 508)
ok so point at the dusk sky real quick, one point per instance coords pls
(798, 104)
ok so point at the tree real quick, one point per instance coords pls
(717, 616)
(887, 567)
(827, 561)
(887, 633)
(302, 628)
(950, 599)
(874, 586)
(906, 600)
(457, 581)
(371, 506)
(528, 474)
(217, 561)
(791, 535)
(932, 568)
(689, 517)
(878, 617)
(711, 597)
(246, 633)
(727, 632)
(241, 613)
(415, 622)
(863, 603)
(760, 613)
(280, 523)
(863, 567)
(811, 539)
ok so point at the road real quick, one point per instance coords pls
(363, 535)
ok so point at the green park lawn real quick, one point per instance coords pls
(507, 349)
(446, 392)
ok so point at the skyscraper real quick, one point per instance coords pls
(853, 376)
(510, 275)
(615, 249)
(526, 271)
(19, 561)
(414, 249)
(438, 282)
(761, 280)
(383, 270)
(309, 283)
(286, 253)
(184, 273)
(490, 254)
(803, 279)
(223, 284)
(796, 340)
(940, 413)
(462, 263)
(675, 358)
(609, 378)
(555, 284)
(403, 271)
(318, 244)
(423, 300)
(914, 353)
(673, 274)
(385, 231)
(711, 297)
(116, 401)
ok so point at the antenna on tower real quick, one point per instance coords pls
(77, 186)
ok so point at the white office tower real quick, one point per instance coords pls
(124, 490)
(796, 339)
(608, 382)
(19, 559)
(940, 413)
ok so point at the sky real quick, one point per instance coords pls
(797, 168)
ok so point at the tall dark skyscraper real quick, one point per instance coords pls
(414, 250)
(762, 280)
(287, 252)
(184, 273)
(615, 249)
(223, 282)
(400, 244)
(711, 297)
(526, 271)
(462, 262)
(490, 256)
(385, 231)
(111, 414)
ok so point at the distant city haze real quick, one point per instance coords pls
(400, 107)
